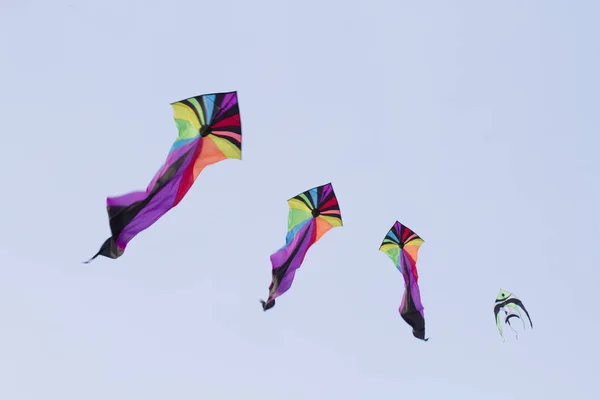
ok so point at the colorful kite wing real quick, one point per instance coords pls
(209, 131)
(402, 246)
(510, 304)
(312, 214)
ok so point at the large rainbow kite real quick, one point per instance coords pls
(209, 131)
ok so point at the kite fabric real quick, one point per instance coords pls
(402, 246)
(312, 214)
(210, 131)
(510, 304)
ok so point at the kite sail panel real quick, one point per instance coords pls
(510, 304)
(312, 214)
(402, 246)
(210, 130)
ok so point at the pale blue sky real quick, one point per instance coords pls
(475, 123)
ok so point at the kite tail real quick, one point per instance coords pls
(420, 334)
(513, 329)
(109, 249)
(267, 305)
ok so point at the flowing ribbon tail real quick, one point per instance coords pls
(109, 249)
(267, 305)
(91, 259)
(513, 329)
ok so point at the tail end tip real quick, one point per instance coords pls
(267, 305)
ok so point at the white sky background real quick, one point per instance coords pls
(475, 123)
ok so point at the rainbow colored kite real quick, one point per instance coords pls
(209, 131)
(402, 246)
(311, 215)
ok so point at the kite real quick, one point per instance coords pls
(507, 302)
(402, 246)
(209, 131)
(312, 214)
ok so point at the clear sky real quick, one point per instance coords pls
(475, 123)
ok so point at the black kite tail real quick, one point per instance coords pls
(267, 305)
(109, 249)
